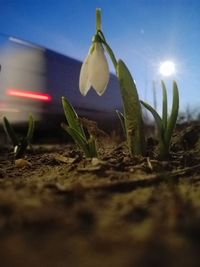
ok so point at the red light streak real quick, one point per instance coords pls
(29, 94)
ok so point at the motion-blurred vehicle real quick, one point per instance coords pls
(33, 80)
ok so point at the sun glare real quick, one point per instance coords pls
(167, 68)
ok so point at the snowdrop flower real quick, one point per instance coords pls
(94, 71)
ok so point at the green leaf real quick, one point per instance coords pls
(72, 117)
(78, 138)
(10, 132)
(92, 147)
(164, 107)
(174, 114)
(20, 149)
(156, 117)
(122, 121)
(31, 129)
(132, 110)
(76, 131)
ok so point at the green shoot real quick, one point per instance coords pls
(19, 144)
(132, 109)
(76, 131)
(122, 121)
(166, 124)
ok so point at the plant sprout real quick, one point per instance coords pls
(94, 72)
(166, 124)
(76, 131)
(20, 144)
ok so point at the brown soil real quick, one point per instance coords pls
(116, 211)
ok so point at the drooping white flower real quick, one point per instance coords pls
(94, 71)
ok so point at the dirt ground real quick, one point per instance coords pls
(64, 210)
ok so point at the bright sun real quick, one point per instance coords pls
(167, 68)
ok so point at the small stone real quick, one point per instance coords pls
(97, 162)
(20, 163)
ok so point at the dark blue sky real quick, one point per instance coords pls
(141, 32)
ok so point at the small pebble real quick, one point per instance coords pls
(20, 163)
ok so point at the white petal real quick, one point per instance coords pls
(98, 69)
(84, 83)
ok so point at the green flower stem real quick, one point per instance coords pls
(98, 19)
(99, 37)
(102, 39)
(111, 54)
